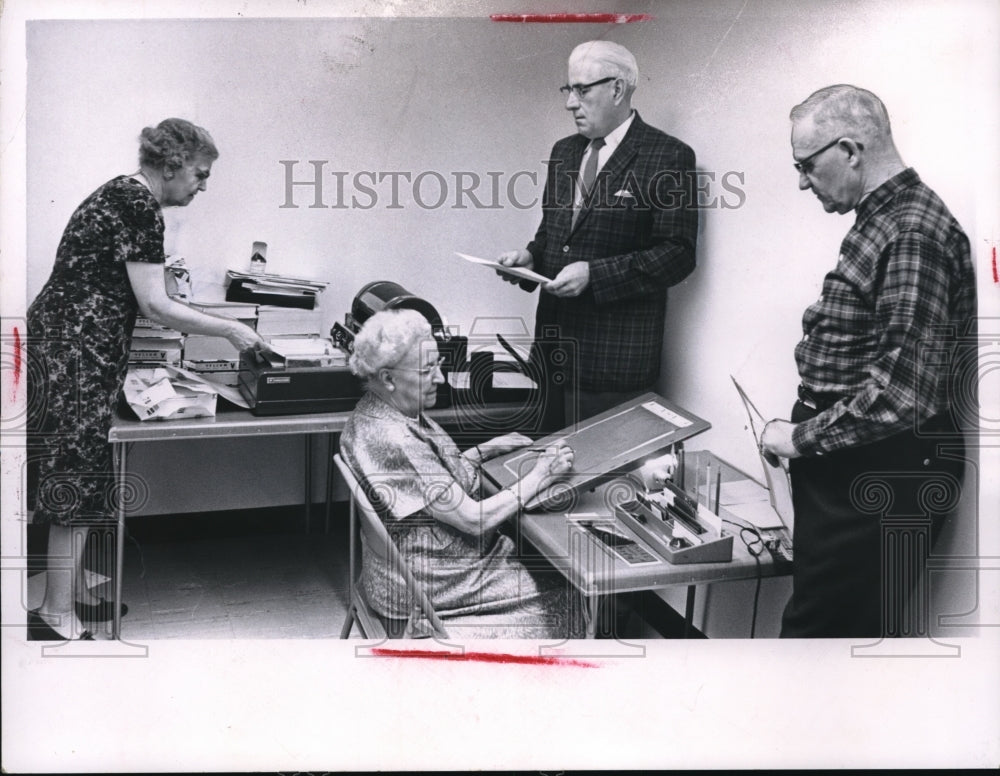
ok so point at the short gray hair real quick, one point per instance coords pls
(852, 111)
(617, 60)
(385, 339)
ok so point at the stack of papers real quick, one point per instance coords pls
(279, 290)
(283, 321)
(308, 351)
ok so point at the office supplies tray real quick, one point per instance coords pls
(676, 527)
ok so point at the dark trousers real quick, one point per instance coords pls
(866, 519)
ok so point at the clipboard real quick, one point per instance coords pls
(779, 484)
(605, 446)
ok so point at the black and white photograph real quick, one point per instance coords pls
(472, 386)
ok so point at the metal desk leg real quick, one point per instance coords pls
(689, 611)
(308, 478)
(591, 614)
(119, 454)
(329, 481)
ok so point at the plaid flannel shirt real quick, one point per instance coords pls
(903, 285)
(637, 231)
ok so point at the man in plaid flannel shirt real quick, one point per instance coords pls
(875, 443)
(611, 249)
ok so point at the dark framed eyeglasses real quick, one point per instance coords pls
(580, 90)
(805, 166)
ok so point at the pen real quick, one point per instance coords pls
(718, 488)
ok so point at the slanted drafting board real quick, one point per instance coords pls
(604, 445)
(779, 485)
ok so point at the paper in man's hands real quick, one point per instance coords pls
(518, 272)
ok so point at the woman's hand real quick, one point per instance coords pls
(557, 459)
(655, 473)
(244, 338)
(504, 444)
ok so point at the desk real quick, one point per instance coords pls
(228, 424)
(596, 573)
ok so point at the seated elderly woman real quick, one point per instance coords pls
(428, 493)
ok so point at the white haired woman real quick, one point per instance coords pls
(428, 493)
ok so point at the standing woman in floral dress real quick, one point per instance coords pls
(108, 268)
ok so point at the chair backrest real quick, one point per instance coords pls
(378, 540)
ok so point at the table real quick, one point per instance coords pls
(226, 424)
(597, 574)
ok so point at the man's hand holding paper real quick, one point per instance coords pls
(571, 281)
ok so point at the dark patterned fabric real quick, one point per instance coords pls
(79, 332)
(904, 285)
(637, 232)
(476, 583)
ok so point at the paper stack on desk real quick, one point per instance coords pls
(308, 351)
(279, 290)
(154, 345)
(284, 321)
(216, 358)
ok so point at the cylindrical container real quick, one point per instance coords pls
(258, 258)
(386, 295)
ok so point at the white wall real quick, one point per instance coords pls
(451, 95)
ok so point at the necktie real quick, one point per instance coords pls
(590, 171)
(589, 174)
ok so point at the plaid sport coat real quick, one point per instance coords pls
(637, 231)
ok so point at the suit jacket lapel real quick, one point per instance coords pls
(613, 168)
(568, 188)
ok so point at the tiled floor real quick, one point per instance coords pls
(266, 579)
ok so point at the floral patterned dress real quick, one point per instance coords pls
(476, 583)
(79, 333)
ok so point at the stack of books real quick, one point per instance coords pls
(276, 290)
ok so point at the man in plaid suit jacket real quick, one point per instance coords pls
(613, 249)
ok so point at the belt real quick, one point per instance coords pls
(818, 401)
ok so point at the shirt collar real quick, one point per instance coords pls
(885, 193)
(615, 136)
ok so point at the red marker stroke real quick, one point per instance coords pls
(17, 363)
(482, 657)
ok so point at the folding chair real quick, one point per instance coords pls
(375, 536)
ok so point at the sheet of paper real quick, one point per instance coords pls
(517, 272)
(759, 514)
(742, 492)
(512, 380)
(301, 346)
